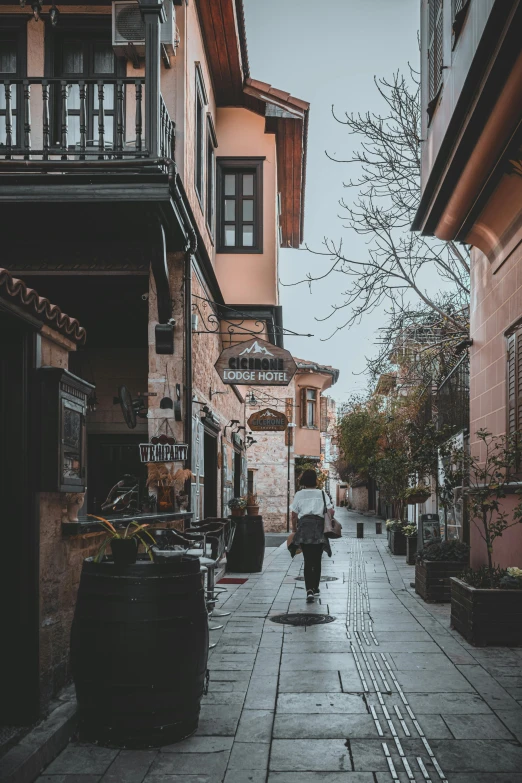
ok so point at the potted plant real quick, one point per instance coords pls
(410, 531)
(125, 542)
(169, 486)
(486, 603)
(396, 537)
(417, 494)
(237, 506)
(436, 564)
(252, 505)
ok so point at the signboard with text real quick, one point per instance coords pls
(163, 452)
(268, 420)
(256, 363)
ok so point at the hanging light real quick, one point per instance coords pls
(92, 402)
(22, 3)
(252, 399)
(54, 13)
(37, 9)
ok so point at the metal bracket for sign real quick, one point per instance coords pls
(236, 320)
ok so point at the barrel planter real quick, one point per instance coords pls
(432, 579)
(247, 552)
(139, 648)
(397, 542)
(411, 549)
(486, 617)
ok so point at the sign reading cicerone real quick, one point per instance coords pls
(163, 452)
(268, 420)
(256, 363)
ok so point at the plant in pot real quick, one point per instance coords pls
(125, 542)
(237, 506)
(486, 603)
(252, 505)
(435, 565)
(410, 531)
(417, 494)
(396, 537)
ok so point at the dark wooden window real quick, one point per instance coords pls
(435, 52)
(309, 408)
(12, 66)
(514, 382)
(459, 10)
(240, 205)
(199, 136)
(87, 55)
(211, 176)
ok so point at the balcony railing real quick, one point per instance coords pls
(78, 119)
(453, 398)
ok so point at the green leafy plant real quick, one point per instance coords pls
(133, 530)
(410, 530)
(420, 489)
(483, 578)
(455, 551)
(240, 502)
(395, 525)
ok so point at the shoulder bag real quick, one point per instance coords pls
(332, 528)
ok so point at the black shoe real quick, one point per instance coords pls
(310, 597)
(317, 591)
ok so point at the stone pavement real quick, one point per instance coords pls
(385, 692)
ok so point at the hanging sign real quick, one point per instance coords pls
(256, 363)
(163, 452)
(268, 420)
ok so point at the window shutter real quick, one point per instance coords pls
(435, 50)
(518, 369)
(304, 420)
(324, 414)
(512, 384)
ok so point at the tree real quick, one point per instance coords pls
(400, 264)
(359, 431)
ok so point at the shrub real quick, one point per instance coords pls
(483, 578)
(445, 550)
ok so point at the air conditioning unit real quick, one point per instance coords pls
(128, 28)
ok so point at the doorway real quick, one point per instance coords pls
(210, 491)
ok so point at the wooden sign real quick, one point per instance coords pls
(256, 363)
(163, 452)
(268, 420)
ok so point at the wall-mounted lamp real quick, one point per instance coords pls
(37, 9)
(54, 13)
(252, 399)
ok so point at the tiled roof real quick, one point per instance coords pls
(304, 364)
(14, 289)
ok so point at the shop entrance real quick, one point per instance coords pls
(211, 473)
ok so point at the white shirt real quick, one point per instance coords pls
(310, 501)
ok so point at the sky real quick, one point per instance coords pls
(328, 53)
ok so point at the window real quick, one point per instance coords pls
(211, 174)
(199, 140)
(12, 67)
(514, 382)
(459, 10)
(240, 183)
(309, 408)
(435, 53)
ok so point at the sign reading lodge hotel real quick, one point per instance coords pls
(268, 420)
(256, 363)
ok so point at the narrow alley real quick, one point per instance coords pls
(384, 691)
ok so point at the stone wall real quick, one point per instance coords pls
(358, 498)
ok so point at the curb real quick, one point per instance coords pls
(25, 761)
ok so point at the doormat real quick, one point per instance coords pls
(231, 581)
(302, 618)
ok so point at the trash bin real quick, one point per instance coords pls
(360, 529)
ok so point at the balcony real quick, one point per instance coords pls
(453, 399)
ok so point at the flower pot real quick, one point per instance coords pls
(486, 617)
(237, 512)
(397, 542)
(124, 551)
(419, 498)
(432, 579)
(253, 511)
(411, 549)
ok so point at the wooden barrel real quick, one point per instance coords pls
(139, 648)
(248, 548)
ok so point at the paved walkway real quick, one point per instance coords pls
(385, 692)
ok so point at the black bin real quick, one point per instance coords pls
(248, 547)
(139, 649)
(360, 529)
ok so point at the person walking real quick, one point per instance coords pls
(308, 523)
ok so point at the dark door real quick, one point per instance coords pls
(19, 578)
(211, 471)
(237, 474)
(110, 457)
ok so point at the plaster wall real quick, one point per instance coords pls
(308, 439)
(358, 498)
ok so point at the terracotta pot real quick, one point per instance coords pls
(238, 512)
(253, 511)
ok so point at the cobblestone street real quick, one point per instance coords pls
(385, 692)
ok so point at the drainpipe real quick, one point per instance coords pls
(153, 13)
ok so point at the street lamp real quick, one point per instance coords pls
(291, 427)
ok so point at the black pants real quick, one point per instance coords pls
(312, 554)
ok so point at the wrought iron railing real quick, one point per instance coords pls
(452, 398)
(77, 119)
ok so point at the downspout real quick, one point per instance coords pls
(192, 243)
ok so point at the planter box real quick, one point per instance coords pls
(432, 579)
(397, 542)
(411, 549)
(486, 617)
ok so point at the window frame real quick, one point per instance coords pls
(435, 54)
(513, 338)
(210, 184)
(240, 165)
(16, 28)
(200, 104)
(458, 18)
(305, 401)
